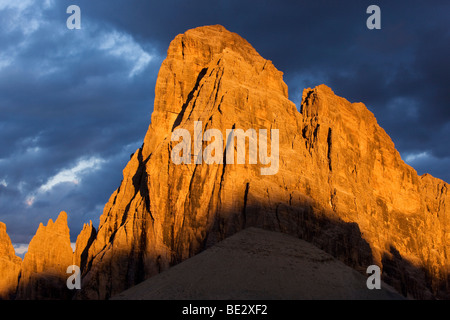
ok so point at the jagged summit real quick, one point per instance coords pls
(43, 270)
(339, 174)
(205, 54)
(340, 183)
(9, 265)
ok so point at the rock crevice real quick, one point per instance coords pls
(341, 183)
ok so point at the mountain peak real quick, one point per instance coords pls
(62, 219)
(341, 183)
(209, 41)
(9, 265)
(43, 270)
(209, 55)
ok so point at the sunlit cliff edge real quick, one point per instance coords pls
(341, 185)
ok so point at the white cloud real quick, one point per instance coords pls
(140, 64)
(3, 183)
(5, 60)
(412, 157)
(30, 200)
(24, 15)
(27, 17)
(20, 249)
(123, 46)
(73, 175)
(48, 4)
(14, 4)
(427, 162)
(33, 150)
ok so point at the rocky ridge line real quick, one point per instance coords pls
(341, 183)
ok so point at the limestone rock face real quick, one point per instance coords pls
(340, 182)
(44, 266)
(84, 241)
(9, 266)
(403, 217)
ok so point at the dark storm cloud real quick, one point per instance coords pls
(75, 103)
(73, 107)
(400, 72)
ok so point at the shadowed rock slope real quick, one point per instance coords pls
(43, 270)
(42, 274)
(262, 265)
(9, 266)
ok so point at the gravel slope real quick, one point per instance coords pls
(258, 264)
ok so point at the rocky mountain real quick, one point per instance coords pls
(340, 184)
(335, 180)
(82, 245)
(9, 266)
(43, 271)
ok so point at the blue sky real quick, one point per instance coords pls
(74, 104)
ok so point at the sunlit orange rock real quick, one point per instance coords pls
(9, 266)
(84, 241)
(43, 273)
(363, 179)
(341, 183)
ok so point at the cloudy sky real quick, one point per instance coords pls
(74, 104)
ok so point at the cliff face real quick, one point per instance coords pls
(336, 180)
(363, 179)
(84, 241)
(340, 183)
(9, 266)
(43, 272)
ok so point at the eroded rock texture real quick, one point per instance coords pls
(43, 272)
(341, 184)
(84, 241)
(9, 266)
